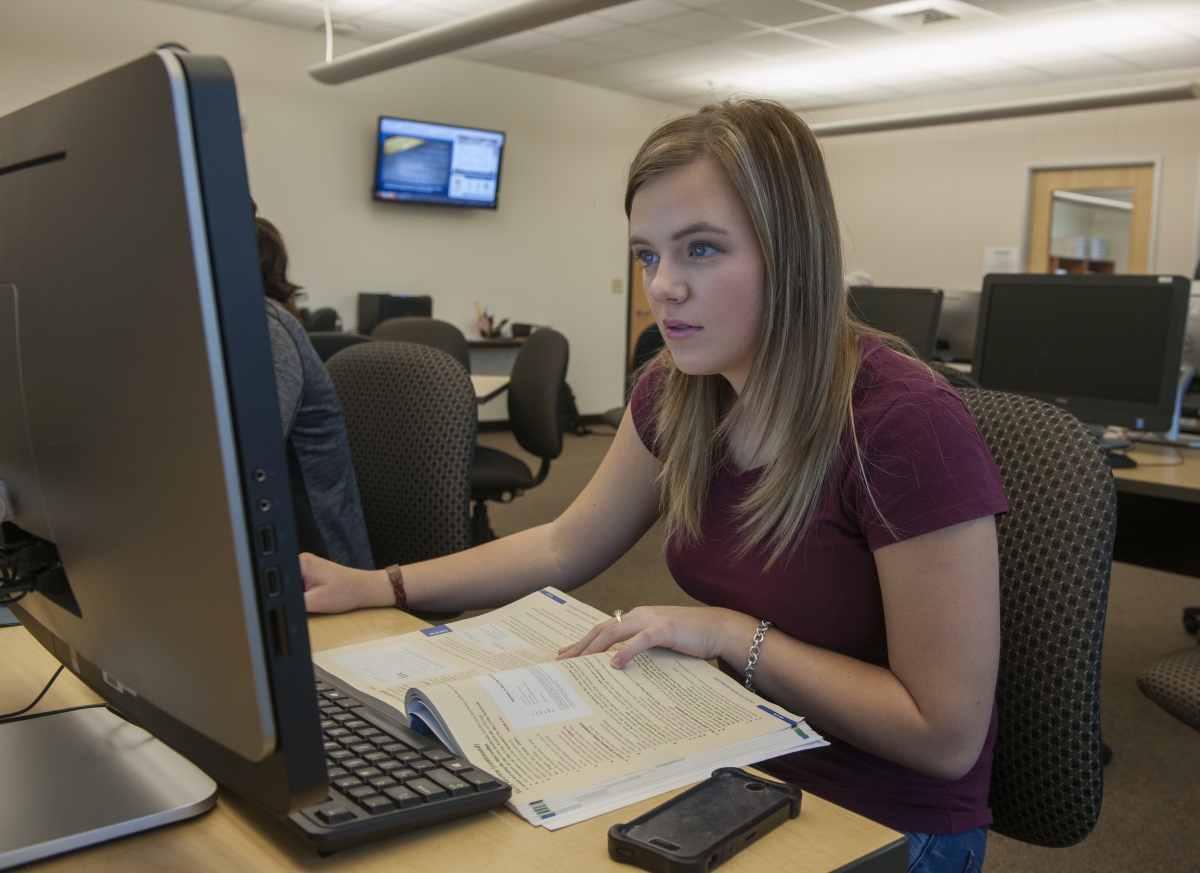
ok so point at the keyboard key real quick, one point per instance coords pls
(352, 763)
(361, 749)
(355, 724)
(438, 755)
(361, 791)
(368, 772)
(337, 732)
(399, 750)
(321, 686)
(377, 804)
(428, 790)
(328, 724)
(331, 746)
(382, 782)
(347, 782)
(340, 755)
(449, 781)
(403, 775)
(343, 717)
(421, 765)
(334, 695)
(350, 740)
(403, 797)
(376, 756)
(381, 740)
(479, 779)
(335, 773)
(389, 764)
(335, 815)
(368, 732)
(330, 709)
(456, 765)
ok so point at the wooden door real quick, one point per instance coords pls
(1134, 183)
(640, 316)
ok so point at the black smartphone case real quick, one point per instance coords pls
(706, 825)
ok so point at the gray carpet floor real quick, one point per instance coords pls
(1150, 820)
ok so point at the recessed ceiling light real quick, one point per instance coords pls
(921, 14)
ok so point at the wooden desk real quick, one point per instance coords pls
(236, 836)
(1158, 509)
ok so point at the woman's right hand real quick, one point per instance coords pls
(330, 587)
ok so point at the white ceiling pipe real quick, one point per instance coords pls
(1015, 109)
(452, 36)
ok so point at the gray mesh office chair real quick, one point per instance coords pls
(534, 414)
(411, 419)
(329, 342)
(1055, 561)
(428, 332)
(1173, 682)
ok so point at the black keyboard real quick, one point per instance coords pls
(385, 779)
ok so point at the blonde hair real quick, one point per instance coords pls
(796, 403)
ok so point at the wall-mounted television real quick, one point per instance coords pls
(421, 162)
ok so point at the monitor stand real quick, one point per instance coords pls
(74, 779)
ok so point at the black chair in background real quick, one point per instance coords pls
(329, 343)
(1055, 561)
(648, 343)
(428, 332)
(534, 414)
(323, 319)
(1173, 682)
(411, 419)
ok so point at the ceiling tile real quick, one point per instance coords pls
(1005, 77)
(1166, 58)
(211, 5)
(702, 26)
(705, 57)
(850, 5)
(671, 91)
(773, 44)
(771, 13)
(410, 15)
(579, 27)
(282, 13)
(641, 10)
(1022, 7)
(626, 72)
(639, 40)
(582, 54)
(532, 63)
(526, 41)
(373, 31)
(1085, 68)
(350, 8)
(484, 53)
(844, 31)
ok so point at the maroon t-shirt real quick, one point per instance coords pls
(928, 469)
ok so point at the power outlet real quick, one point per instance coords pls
(618, 286)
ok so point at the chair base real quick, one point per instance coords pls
(1191, 619)
(481, 528)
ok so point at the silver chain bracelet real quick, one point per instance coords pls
(755, 648)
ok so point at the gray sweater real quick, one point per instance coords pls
(316, 432)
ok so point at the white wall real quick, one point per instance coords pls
(919, 206)
(548, 255)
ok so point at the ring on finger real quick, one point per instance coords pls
(617, 613)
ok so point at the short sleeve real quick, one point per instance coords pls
(289, 370)
(925, 464)
(641, 408)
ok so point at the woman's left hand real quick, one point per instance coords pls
(703, 632)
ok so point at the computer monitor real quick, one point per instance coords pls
(1105, 348)
(957, 325)
(909, 313)
(139, 423)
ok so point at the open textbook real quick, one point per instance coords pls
(575, 738)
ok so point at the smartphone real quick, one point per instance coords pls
(706, 825)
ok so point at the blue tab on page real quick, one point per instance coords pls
(770, 711)
(552, 597)
(438, 629)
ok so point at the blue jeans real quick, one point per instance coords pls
(946, 853)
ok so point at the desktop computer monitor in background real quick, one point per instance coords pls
(139, 423)
(909, 313)
(1105, 348)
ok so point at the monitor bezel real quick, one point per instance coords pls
(1156, 417)
(375, 190)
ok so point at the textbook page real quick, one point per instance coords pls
(528, 631)
(555, 728)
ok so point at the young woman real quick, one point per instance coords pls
(824, 494)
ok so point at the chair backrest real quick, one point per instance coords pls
(328, 342)
(324, 319)
(1055, 560)
(649, 341)
(535, 393)
(428, 332)
(411, 418)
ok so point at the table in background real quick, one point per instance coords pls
(493, 357)
(1158, 509)
(237, 836)
(488, 387)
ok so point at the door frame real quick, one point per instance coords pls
(1031, 169)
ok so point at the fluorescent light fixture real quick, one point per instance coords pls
(1092, 200)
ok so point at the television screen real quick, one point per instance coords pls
(419, 162)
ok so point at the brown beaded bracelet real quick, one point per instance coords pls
(397, 580)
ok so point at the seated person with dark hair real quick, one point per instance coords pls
(329, 517)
